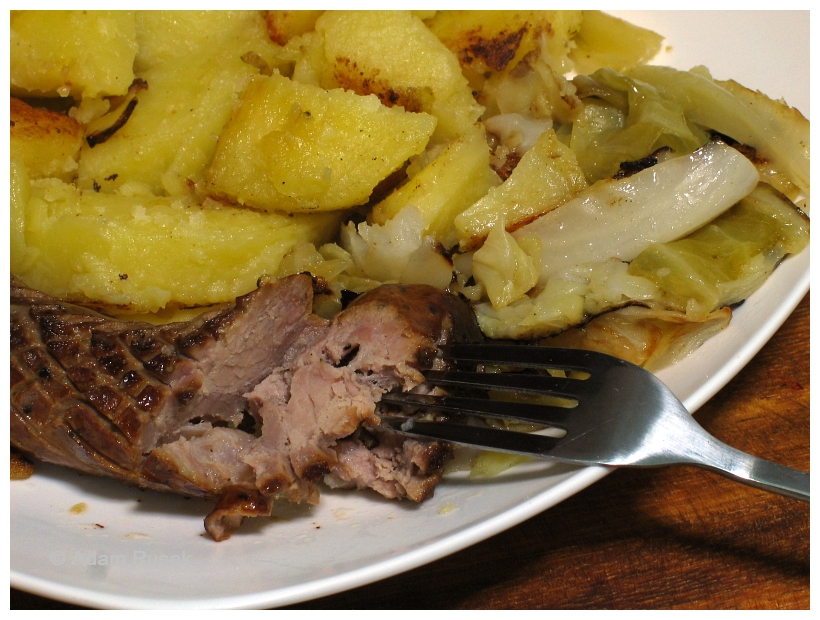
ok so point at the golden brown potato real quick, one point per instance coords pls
(606, 41)
(546, 177)
(376, 52)
(453, 181)
(283, 25)
(497, 40)
(297, 147)
(193, 67)
(72, 53)
(48, 143)
(145, 252)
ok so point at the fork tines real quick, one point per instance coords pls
(533, 398)
(475, 436)
(516, 382)
(622, 415)
(484, 407)
(526, 356)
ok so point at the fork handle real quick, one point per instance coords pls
(759, 473)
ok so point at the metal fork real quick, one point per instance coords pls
(618, 415)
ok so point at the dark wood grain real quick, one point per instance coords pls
(663, 538)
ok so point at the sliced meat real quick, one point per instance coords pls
(391, 333)
(209, 460)
(325, 404)
(381, 342)
(159, 406)
(392, 466)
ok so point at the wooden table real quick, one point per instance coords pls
(665, 538)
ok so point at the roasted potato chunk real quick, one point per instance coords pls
(284, 25)
(296, 147)
(48, 143)
(144, 253)
(606, 41)
(453, 181)
(192, 84)
(547, 176)
(378, 52)
(169, 36)
(72, 53)
(497, 40)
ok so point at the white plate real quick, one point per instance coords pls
(148, 550)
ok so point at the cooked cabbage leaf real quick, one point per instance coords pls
(779, 133)
(644, 336)
(625, 119)
(619, 218)
(725, 261)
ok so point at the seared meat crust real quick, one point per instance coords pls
(98, 395)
